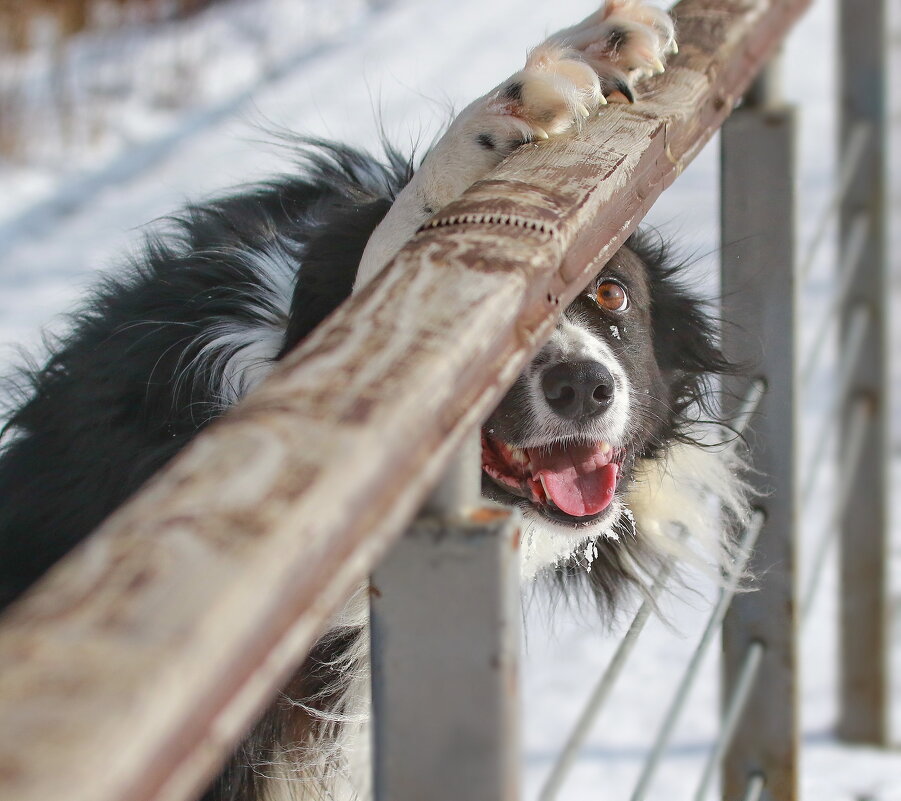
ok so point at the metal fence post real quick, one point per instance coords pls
(864, 609)
(759, 291)
(445, 621)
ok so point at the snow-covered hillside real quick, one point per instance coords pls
(407, 63)
(127, 83)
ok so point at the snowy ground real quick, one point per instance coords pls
(128, 84)
(58, 230)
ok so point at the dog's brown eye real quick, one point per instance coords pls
(611, 295)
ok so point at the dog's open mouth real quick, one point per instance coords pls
(575, 479)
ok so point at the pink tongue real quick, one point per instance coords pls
(580, 481)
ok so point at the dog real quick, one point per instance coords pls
(598, 442)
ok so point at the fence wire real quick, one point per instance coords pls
(861, 323)
(848, 264)
(850, 161)
(601, 692)
(853, 451)
(734, 709)
(745, 549)
(755, 788)
(861, 318)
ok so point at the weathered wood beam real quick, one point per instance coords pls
(134, 667)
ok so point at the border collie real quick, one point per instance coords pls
(598, 441)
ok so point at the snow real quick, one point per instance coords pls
(65, 215)
(146, 80)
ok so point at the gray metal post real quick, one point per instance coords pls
(864, 677)
(759, 290)
(445, 621)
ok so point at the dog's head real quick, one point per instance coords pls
(612, 386)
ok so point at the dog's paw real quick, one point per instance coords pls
(556, 90)
(625, 36)
(578, 70)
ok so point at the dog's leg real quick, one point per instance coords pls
(566, 79)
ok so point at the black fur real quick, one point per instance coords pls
(486, 141)
(617, 38)
(122, 393)
(112, 404)
(622, 86)
(284, 723)
(513, 92)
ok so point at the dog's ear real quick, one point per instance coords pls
(685, 338)
(687, 347)
(685, 332)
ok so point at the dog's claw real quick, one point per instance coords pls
(618, 97)
(576, 72)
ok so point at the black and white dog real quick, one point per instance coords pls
(597, 441)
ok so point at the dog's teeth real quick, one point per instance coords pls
(544, 486)
(604, 447)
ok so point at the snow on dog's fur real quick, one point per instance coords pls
(598, 441)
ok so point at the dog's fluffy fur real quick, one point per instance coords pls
(598, 441)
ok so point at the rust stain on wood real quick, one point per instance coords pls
(488, 514)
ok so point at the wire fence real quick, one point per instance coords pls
(854, 411)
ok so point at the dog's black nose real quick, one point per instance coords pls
(578, 390)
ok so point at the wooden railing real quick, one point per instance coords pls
(136, 665)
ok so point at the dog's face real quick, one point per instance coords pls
(563, 441)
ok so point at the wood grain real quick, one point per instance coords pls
(134, 667)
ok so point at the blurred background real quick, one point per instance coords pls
(115, 112)
(84, 80)
(67, 63)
